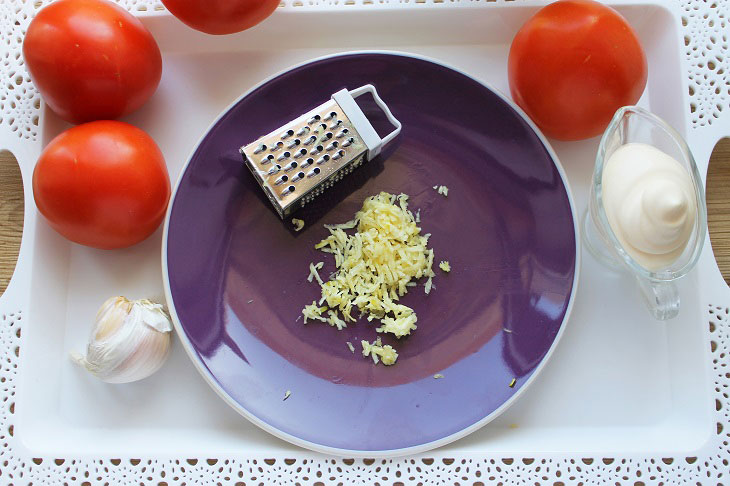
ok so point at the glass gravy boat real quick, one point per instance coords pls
(632, 124)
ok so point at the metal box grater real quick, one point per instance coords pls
(297, 162)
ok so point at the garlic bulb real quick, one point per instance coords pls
(130, 340)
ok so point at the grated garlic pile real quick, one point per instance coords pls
(375, 266)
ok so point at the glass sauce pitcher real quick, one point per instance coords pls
(632, 124)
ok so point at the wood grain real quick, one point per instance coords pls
(11, 216)
(718, 205)
(718, 209)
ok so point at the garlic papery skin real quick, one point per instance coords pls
(130, 340)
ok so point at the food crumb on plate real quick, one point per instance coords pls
(378, 352)
(335, 321)
(286, 395)
(429, 285)
(250, 301)
(443, 190)
(313, 311)
(513, 382)
(513, 426)
(438, 376)
(445, 266)
(314, 274)
(298, 224)
(351, 347)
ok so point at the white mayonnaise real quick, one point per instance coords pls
(649, 201)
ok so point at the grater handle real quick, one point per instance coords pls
(346, 100)
(371, 89)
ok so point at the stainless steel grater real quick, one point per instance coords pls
(297, 162)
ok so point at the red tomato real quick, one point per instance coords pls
(221, 16)
(91, 59)
(102, 184)
(572, 65)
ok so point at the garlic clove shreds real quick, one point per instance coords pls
(130, 340)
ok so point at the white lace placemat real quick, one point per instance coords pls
(707, 60)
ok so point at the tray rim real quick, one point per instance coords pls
(206, 374)
(713, 452)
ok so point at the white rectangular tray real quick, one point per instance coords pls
(621, 390)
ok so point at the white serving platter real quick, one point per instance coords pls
(618, 385)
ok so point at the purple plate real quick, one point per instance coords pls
(235, 274)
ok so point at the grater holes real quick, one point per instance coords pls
(332, 146)
(323, 159)
(288, 191)
(335, 124)
(293, 143)
(310, 140)
(338, 155)
(348, 142)
(333, 114)
(301, 153)
(283, 156)
(342, 133)
(286, 134)
(317, 149)
(308, 162)
(314, 172)
(281, 180)
(260, 149)
(314, 119)
(277, 146)
(291, 166)
(303, 131)
(268, 159)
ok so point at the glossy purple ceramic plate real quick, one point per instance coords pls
(236, 274)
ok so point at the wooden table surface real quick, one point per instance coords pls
(11, 211)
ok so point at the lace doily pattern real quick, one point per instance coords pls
(19, 100)
(706, 31)
(705, 27)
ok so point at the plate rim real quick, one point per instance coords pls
(357, 453)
